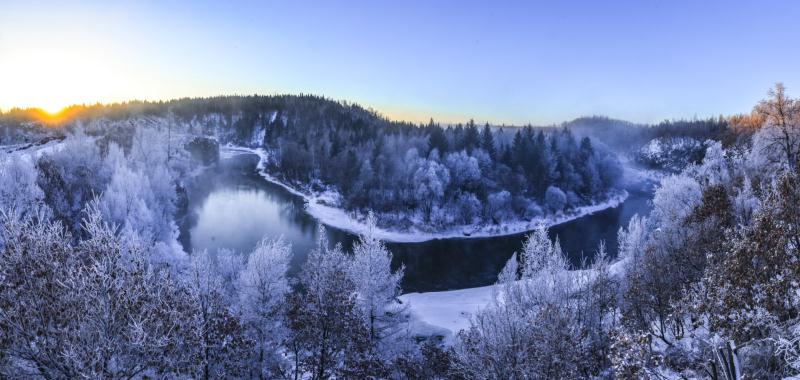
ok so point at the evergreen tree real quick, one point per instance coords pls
(471, 138)
(487, 142)
(436, 138)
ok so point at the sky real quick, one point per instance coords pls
(497, 61)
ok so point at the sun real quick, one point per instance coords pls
(52, 109)
(54, 78)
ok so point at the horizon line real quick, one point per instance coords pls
(379, 111)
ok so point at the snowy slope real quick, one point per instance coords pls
(450, 311)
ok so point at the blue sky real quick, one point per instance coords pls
(505, 62)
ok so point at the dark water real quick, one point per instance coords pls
(231, 206)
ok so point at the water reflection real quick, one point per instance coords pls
(231, 206)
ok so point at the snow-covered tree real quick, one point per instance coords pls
(127, 200)
(220, 342)
(464, 170)
(540, 254)
(778, 141)
(675, 198)
(632, 240)
(377, 286)
(144, 204)
(498, 206)
(752, 283)
(70, 177)
(18, 188)
(230, 264)
(263, 288)
(745, 202)
(431, 180)
(714, 169)
(328, 335)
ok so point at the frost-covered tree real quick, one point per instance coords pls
(229, 265)
(714, 169)
(675, 198)
(127, 202)
(431, 180)
(751, 284)
(498, 206)
(328, 336)
(18, 188)
(464, 170)
(632, 240)
(745, 202)
(668, 261)
(467, 207)
(263, 288)
(377, 286)
(540, 254)
(220, 342)
(779, 139)
(143, 204)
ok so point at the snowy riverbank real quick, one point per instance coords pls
(448, 312)
(319, 206)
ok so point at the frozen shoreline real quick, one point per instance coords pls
(445, 313)
(317, 206)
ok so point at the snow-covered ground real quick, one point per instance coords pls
(445, 313)
(670, 153)
(448, 312)
(319, 205)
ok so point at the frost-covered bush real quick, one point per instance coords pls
(555, 199)
(498, 206)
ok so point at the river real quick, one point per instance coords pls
(232, 206)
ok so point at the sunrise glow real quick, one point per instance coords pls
(52, 78)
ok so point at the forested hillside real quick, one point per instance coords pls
(429, 177)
